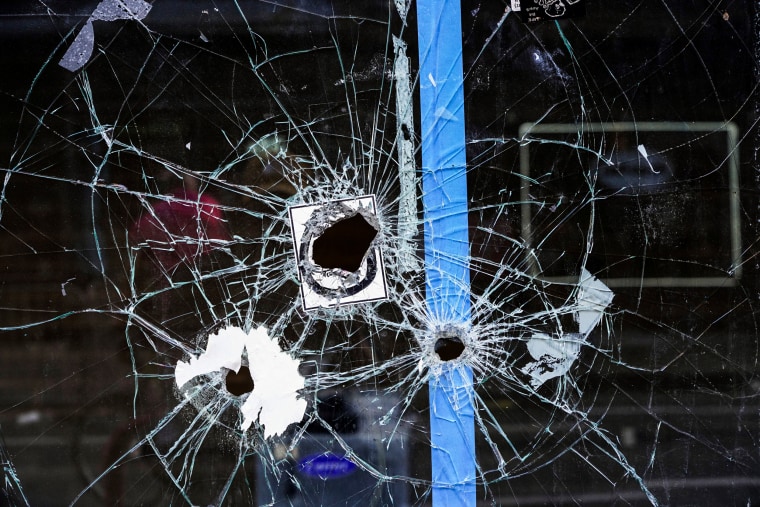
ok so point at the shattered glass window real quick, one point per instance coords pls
(222, 237)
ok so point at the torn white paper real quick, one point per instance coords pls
(274, 401)
(80, 51)
(554, 356)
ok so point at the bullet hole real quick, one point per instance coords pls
(405, 131)
(339, 256)
(239, 383)
(449, 348)
(344, 244)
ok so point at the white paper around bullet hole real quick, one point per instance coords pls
(376, 290)
(274, 401)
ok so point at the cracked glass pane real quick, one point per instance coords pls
(220, 253)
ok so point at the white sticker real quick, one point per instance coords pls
(80, 51)
(330, 287)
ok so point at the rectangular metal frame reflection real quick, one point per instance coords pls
(732, 135)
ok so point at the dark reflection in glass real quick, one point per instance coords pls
(145, 191)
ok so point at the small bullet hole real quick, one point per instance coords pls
(239, 383)
(405, 132)
(344, 244)
(449, 348)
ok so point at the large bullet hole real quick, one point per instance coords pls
(449, 348)
(239, 383)
(344, 244)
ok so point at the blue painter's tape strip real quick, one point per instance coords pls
(444, 182)
(452, 433)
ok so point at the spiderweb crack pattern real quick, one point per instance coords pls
(145, 209)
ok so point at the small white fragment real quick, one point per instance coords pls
(432, 79)
(593, 298)
(402, 6)
(554, 357)
(643, 152)
(80, 51)
(187, 146)
(421, 365)
(63, 286)
(111, 10)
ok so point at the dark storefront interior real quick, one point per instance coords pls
(166, 188)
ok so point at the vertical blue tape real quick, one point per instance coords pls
(444, 184)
